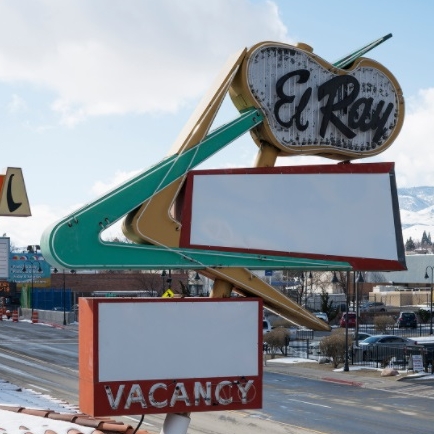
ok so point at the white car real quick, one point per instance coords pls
(373, 306)
(322, 315)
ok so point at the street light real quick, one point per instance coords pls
(335, 278)
(163, 275)
(430, 304)
(302, 290)
(346, 367)
(169, 279)
(55, 271)
(197, 284)
(311, 291)
(39, 271)
(336, 281)
(359, 280)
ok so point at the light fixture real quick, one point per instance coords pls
(335, 278)
(431, 296)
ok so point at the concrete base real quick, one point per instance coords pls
(48, 316)
(175, 424)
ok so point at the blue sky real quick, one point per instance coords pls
(94, 91)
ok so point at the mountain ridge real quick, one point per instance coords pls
(417, 211)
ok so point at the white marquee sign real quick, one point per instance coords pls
(312, 107)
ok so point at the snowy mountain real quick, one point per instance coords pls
(417, 211)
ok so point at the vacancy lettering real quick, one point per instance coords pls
(179, 394)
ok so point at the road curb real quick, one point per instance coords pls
(340, 381)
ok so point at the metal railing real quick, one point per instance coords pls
(382, 356)
(420, 330)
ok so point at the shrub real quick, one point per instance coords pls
(382, 323)
(281, 322)
(333, 347)
(277, 339)
(423, 315)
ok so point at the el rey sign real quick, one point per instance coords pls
(312, 107)
(164, 355)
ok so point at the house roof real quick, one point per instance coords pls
(17, 419)
(24, 410)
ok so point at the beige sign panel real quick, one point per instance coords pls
(13, 199)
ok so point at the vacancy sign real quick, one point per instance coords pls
(149, 355)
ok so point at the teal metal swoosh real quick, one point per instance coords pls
(75, 241)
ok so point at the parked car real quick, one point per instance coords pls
(373, 306)
(322, 315)
(383, 347)
(351, 319)
(266, 326)
(360, 336)
(407, 319)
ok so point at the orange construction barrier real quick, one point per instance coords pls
(15, 316)
(35, 316)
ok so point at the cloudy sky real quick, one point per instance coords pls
(94, 91)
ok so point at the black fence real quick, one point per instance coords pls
(302, 344)
(401, 358)
(299, 344)
(420, 330)
(51, 299)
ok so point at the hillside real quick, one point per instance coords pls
(417, 211)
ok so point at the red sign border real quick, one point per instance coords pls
(184, 208)
(91, 390)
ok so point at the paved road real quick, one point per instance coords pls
(295, 400)
(338, 405)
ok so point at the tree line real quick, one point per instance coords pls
(425, 243)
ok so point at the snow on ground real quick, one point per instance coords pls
(290, 360)
(14, 396)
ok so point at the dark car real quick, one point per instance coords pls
(383, 347)
(360, 336)
(407, 319)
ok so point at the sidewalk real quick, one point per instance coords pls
(366, 377)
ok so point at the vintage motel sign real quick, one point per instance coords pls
(314, 108)
(300, 104)
(13, 195)
(187, 362)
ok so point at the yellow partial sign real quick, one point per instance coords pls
(13, 195)
(168, 293)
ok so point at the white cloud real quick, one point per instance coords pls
(24, 231)
(110, 57)
(412, 151)
(17, 104)
(101, 187)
